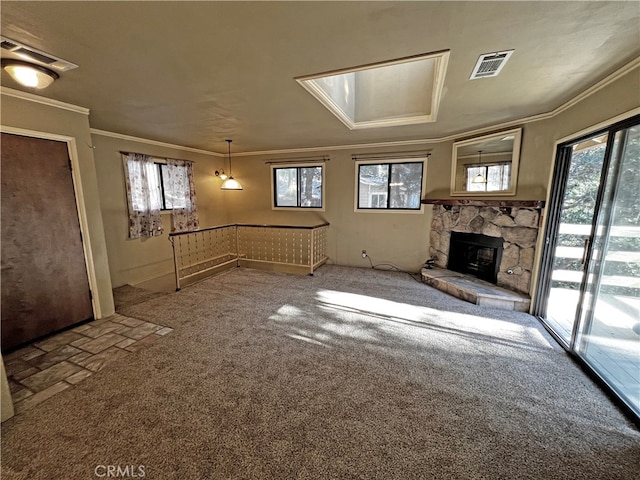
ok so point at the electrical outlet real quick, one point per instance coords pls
(364, 254)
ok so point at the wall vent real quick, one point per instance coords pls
(490, 64)
(35, 56)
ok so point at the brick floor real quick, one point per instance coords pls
(47, 367)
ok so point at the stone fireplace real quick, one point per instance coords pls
(515, 224)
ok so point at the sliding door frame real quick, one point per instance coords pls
(555, 198)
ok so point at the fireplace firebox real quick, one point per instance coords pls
(475, 254)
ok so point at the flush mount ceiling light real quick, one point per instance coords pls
(28, 74)
(405, 91)
(230, 183)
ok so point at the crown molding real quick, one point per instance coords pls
(121, 136)
(619, 73)
(625, 69)
(10, 92)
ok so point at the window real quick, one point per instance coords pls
(153, 186)
(491, 177)
(390, 186)
(174, 191)
(298, 187)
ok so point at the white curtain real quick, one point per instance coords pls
(143, 195)
(180, 195)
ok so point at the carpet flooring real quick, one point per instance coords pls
(348, 374)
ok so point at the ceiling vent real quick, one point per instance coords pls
(490, 64)
(18, 50)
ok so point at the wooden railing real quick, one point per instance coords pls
(200, 253)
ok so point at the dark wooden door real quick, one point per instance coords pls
(44, 276)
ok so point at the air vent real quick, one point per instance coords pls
(490, 64)
(35, 56)
(7, 45)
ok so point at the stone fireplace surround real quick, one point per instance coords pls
(517, 222)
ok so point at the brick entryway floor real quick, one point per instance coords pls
(44, 368)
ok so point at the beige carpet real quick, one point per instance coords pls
(349, 374)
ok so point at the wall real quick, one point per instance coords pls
(29, 115)
(401, 239)
(6, 404)
(397, 238)
(539, 143)
(539, 137)
(133, 261)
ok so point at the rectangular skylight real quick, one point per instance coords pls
(404, 91)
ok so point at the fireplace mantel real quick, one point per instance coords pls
(539, 204)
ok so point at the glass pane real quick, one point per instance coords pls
(406, 185)
(609, 337)
(286, 184)
(476, 172)
(139, 174)
(373, 182)
(311, 187)
(576, 218)
(175, 181)
(498, 177)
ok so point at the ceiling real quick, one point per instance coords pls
(196, 73)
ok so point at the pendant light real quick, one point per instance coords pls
(29, 74)
(230, 183)
(479, 178)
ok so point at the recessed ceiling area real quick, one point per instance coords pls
(197, 73)
(398, 92)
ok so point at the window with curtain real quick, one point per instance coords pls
(143, 195)
(153, 187)
(179, 194)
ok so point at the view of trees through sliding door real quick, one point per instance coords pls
(589, 289)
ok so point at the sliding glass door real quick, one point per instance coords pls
(589, 289)
(585, 161)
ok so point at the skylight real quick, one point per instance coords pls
(405, 91)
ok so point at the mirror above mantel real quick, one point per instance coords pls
(486, 165)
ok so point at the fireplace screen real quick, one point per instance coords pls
(475, 254)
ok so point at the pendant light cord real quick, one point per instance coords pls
(230, 169)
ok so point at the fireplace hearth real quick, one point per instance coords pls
(475, 254)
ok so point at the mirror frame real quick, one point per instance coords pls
(515, 161)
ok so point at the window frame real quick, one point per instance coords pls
(297, 166)
(399, 160)
(163, 200)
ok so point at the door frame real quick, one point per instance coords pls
(540, 247)
(79, 200)
(539, 304)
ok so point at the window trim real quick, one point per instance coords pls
(275, 167)
(400, 159)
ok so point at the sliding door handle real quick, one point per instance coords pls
(587, 242)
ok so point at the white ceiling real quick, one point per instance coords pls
(196, 73)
